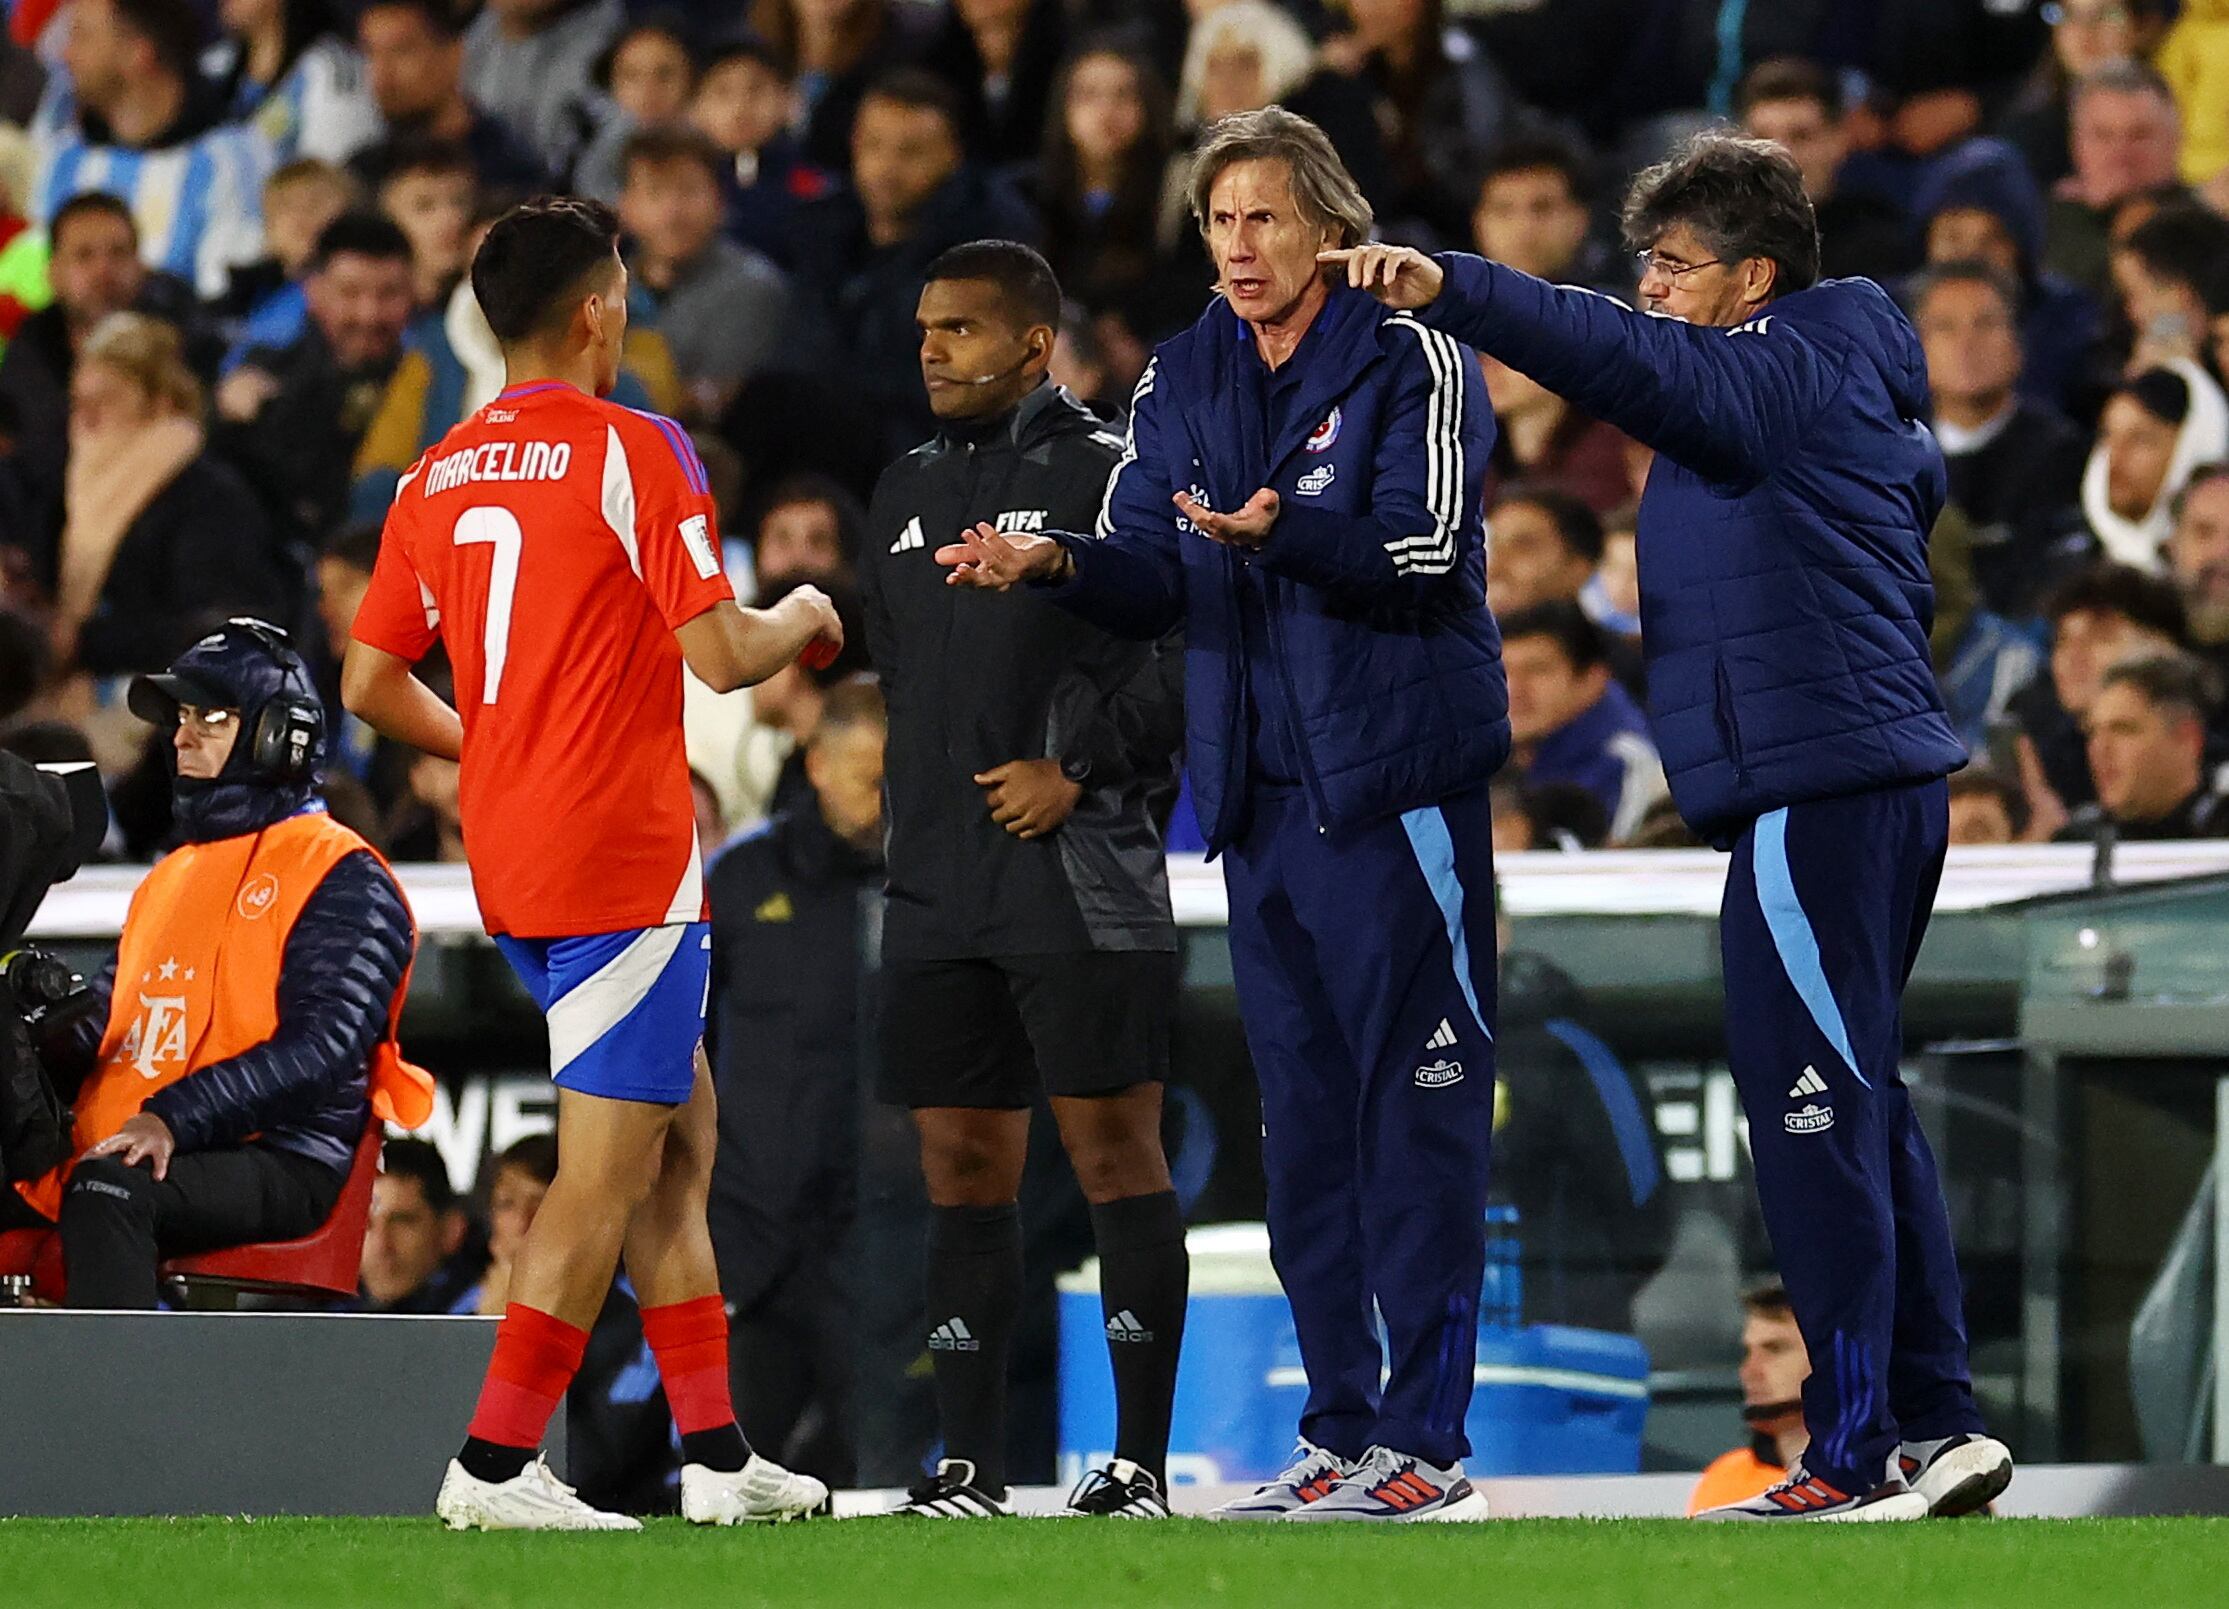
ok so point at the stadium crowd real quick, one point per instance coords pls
(232, 247)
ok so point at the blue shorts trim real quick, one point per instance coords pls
(625, 1010)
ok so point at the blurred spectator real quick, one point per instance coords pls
(838, 48)
(1532, 214)
(2156, 429)
(23, 661)
(1002, 56)
(2198, 560)
(133, 91)
(428, 189)
(532, 62)
(518, 1180)
(162, 540)
(1545, 441)
(1798, 105)
(1438, 101)
(808, 530)
(1982, 206)
(743, 101)
(1983, 658)
(414, 66)
(1575, 1152)
(860, 254)
(2195, 62)
(2126, 141)
(2163, 268)
(1544, 547)
(720, 306)
(795, 925)
(292, 416)
(95, 270)
(644, 79)
(1561, 817)
(22, 80)
(1774, 1366)
(1570, 721)
(266, 296)
(279, 68)
(2147, 743)
(2086, 35)
(428, 824)
(2098, 617)
(23, 249)
(1099, 173)
(342, 576)
(1985, 808)
(1612, 598)
(2015, 464)
(415, 1254)
(451, 368)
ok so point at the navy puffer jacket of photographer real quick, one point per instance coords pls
(1373, 578)
(1785, 595)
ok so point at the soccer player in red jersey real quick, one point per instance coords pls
(564, 550)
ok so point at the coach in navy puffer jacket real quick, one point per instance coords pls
(1785, 596)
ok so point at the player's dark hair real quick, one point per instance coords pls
(1789, 78)
(438, 15)
(1581, 642)
(172, 28)
(360, 234)
(674, 142)
(356, 546)
(537, 260)
(2149, 601)
(2175, 683)
(406, 154)
(1534, 153)
(419, 1160)
(2183, 244)
(1744, 198)
(91, 204)
(1966, 272)
(1978, 781)
(1577, 524)
(1026, 285)
(923, 91)
(536, 1155)
(1767, 1297)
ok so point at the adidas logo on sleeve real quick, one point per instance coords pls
(952, 1336)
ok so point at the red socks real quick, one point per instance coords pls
(536, 1357)
(690, 1341)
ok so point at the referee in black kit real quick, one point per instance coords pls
(1028, 942)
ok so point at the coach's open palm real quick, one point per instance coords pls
(1396, 275)
(984, 558)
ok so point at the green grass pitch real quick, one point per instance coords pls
(1071, 1564)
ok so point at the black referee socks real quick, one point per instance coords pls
(1144, 1276)
(974, 1291)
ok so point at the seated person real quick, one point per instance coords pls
(1986, 808)
(1570, 720)
(266, 296)
(1774, 1366)
(2147, 742)
(523, 1175)
(1545, 546)
(2158, 428)
(2198, 561)
(254, 1036)
(418, 1256)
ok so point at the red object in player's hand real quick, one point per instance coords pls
(819, 654)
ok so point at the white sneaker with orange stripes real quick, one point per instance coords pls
(1802, 1496)
(1388, 1485)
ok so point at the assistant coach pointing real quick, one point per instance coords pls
(1345, 710)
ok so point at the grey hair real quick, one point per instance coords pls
(2122, 78)
(1323, 189)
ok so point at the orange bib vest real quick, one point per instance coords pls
(197, 979)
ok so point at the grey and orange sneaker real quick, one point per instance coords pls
(1389, 1485)
(1308, 1479)
(1957, 1475)
(1800, 1495)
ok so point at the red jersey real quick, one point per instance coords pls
(553, 542)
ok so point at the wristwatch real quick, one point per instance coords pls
(1076, 769)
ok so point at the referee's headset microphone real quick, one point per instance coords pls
(1030, 353)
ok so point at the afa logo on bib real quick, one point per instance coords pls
(1321, 438)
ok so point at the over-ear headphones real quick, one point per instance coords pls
(289, 729)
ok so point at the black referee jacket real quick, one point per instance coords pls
(975, 679)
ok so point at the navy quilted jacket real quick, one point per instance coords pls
(1375, 570)
(1785, 596)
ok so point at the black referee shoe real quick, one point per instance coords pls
(951, 1494)
(1121, 1491)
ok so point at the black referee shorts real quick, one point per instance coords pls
(990, 1033)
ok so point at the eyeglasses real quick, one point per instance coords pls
(1655, 262)
(209, 723)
